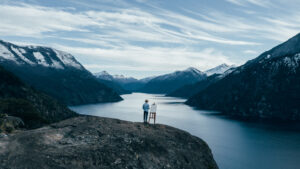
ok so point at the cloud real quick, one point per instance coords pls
(281, 28)
(264, 3)
(237, 2)
(143, 26)
(28, 20)
(259, 26)
(141, 1)
(250, 52)
(126, 24)
(150, 58)
(125, 34)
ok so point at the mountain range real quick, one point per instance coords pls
(169, 82)
(164, 84)
(213, 75)
(56, 73)
(111, 81)
(265, 87)
(120, 83)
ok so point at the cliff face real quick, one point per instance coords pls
(94, 142)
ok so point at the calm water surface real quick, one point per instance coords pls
(235, 144)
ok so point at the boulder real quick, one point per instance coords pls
(9, 123)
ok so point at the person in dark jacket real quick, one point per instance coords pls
(146, 108)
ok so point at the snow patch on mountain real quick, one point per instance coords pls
(6, 54)
(23, 51)
(219, 69)
(67, 59)
(20, 53)
(291, 62)
(104, 75)
(56, 64)
(17, 51)
(119, 77)
(123, 78)
(40, 59)
(195, 73)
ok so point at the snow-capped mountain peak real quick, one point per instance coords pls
(67, 59)
(104, 75)
(190, 73)
(119, 76)
(37, 56)
(192, 69)
(219, 69)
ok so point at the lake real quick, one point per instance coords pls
(235, 144)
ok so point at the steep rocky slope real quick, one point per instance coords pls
(192, 89)
(94, 142)
(33, 107)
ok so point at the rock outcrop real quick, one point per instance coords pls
(9, 123)
(94, 142)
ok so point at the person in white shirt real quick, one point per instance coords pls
(153, 112)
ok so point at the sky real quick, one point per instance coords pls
(143, 38)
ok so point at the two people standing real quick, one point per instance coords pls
(146, 109)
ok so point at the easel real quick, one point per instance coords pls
(152, 116)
